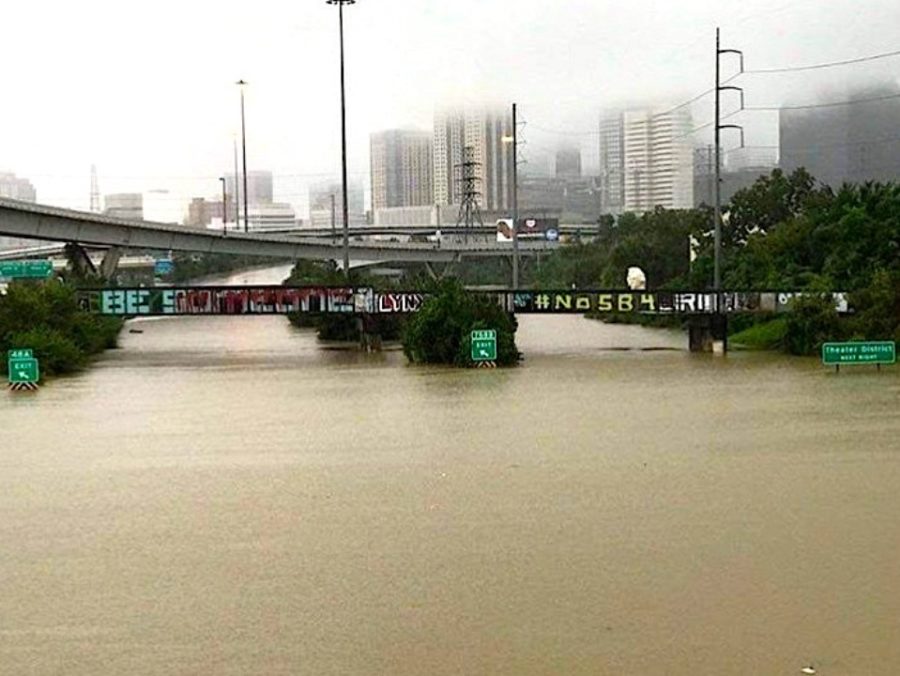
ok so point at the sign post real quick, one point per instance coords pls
(24, 370)
(484, 347)
(858, 352)
(37, 269)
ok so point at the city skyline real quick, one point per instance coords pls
(170, 119)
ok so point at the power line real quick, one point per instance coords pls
(830, 64)
(831, 104)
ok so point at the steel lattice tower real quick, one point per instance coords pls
(469, 211)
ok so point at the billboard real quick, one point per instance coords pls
(529, 228)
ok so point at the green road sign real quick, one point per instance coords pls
(880, 352)
(40, 269)
(24, 371)
(484, 345)
(24, 353)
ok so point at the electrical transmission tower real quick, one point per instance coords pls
(95, 190)
(469, 211)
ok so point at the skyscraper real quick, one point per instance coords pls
(658, 160)
(259, 187)
(483, 130)
(568, 162)
(612, 162)
(851, 143)
(402, 169)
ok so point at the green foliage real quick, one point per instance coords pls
(768, 335)
(45, 317)
(440, 332)
(811, 322)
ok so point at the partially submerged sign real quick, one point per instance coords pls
(858, 352)
(484, 345)
(23, 369)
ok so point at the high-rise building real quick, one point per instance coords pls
(259, 187)
(568, 163)
(612, 162)
(483, 130)
(124, 205)
(16, 188)
(402, 168)
(851, 143)
(320, 201)
(657, 160)
(736, 174)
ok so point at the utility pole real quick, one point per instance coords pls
(717, 270)
(224, 207)
(237, 189)
(515, 199)
(340, 4)
(241, 84)
(333, 232)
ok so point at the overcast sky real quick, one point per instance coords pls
(145, 90)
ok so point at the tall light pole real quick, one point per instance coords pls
(224, 207)
(340, 4)
(242, 84)
(514, 140)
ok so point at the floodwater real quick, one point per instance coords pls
(229, 496)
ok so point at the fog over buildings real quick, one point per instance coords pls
(171, 120)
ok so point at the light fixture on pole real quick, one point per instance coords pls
(340, 4)
(242, 84)
(514, 140)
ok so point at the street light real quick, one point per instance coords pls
(515, 197)
(340, 4)
(224, 207)
(242, 84)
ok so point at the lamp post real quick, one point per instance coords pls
(224, 207)
(340, 4)
(514, 140)
(242, 84)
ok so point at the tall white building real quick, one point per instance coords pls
(646, 160)
(483, 130)
(659, 163)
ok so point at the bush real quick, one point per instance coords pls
(45, 318)
(440, 332)
(812, 321)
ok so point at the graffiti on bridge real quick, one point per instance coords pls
(266, 300)
(655, 302)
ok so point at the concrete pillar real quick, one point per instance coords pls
(708, 333)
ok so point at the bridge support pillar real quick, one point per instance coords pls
(110, 262)
(708, 333)
(369, 338)
(79, 261)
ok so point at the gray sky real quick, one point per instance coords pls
(145, 90)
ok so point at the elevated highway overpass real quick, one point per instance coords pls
(41, 222)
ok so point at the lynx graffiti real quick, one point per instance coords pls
(399, 302)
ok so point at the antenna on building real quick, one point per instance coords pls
(95, 190)
(469, 211)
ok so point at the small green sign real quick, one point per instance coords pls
(38, 269)
(24, 371)
(23, 353)
(879, 352)
(484, 345)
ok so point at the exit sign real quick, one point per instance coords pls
(484, 345)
